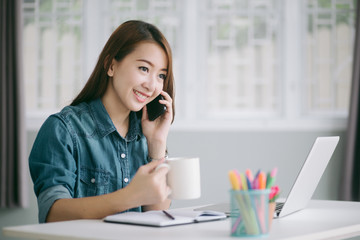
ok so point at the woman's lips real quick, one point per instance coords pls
(141, 97)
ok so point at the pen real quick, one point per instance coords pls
(168, 215)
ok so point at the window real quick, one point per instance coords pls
(236, 62)
(328, 48)
(241, 58)
(53, 54)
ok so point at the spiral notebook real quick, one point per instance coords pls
(162, 219)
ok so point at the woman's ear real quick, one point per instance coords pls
(110, 71)
(109, 62)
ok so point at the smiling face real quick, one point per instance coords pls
(138, 78)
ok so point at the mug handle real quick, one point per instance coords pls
(162, 165)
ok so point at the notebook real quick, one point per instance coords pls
(305, 183)
(162, 219)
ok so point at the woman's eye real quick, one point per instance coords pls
(144, 69)
(162, 76)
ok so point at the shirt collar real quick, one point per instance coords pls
(135, 131)
(105, 124)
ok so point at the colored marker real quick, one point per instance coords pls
(243, 182)
(237, 174)
(262, 180)
(248, 183)
(234, 181)
(274, 194)
(256, 180)
(249, 175)
(271, 178)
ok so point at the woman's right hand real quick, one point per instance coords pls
(149, 184)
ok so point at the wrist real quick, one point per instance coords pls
(150, 159)
(160, 155)
(157, 151)
(130, 196)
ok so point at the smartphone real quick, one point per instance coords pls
(155, 109)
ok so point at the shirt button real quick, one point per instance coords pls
(126, 179)
(93, 180)
(123, 155)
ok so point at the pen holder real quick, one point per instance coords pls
(272, 207)
(249, 213)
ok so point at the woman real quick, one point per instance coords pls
(94, 158)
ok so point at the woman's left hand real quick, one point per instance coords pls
(156, 131)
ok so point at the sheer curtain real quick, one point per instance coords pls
(350, 187)
(13, 174)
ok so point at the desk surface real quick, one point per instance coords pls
(320, 220)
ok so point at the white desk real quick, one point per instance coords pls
(320, 220)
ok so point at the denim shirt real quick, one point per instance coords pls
(79, 153)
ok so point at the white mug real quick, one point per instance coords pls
(183, 177)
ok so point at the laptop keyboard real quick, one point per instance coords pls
(279, 206)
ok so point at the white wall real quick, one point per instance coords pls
(220, 152)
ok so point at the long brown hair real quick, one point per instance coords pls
(121, 43)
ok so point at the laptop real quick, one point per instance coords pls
(305, 183)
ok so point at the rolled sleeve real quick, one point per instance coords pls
(52, 165)
(51, 160)
(47, 198)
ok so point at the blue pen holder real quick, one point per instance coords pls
(249, 213)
